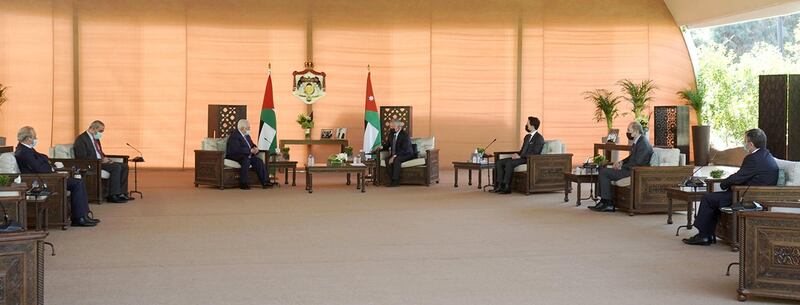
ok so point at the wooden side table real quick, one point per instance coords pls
(469, 166)
(690, 195)
(286, 166)
(349, 169)
(579, 179)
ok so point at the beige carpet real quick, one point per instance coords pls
(407, 245)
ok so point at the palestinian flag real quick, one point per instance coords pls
(372, 129)
(267, 136)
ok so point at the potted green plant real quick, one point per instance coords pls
(717, 173)
(701, 133)
(337, 159)
(349, 151)
(599, 160)
(5, 181)
(306, 122)
(285, 153)
(3, 100)
(640, 96)
(605, 106)
(481, 151)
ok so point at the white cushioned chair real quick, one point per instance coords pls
(422, 170)
(211, 167)
(645, 190)
(96, 185)
(542, 173)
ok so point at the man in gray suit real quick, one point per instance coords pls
(640, 154)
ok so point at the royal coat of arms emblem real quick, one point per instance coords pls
(309, 85)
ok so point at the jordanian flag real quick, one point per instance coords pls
(267, 135)
(372, 130)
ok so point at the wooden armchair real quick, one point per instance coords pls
(645, 191)
(94, 177)
(769, 261)
(57, 205)
(542, 173)
(211, 168)
(420, 171)
(727, 227)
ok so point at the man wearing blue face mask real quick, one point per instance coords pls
(87, 147)
(240, 148)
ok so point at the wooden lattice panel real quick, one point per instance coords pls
(391, 113)
(222, 119)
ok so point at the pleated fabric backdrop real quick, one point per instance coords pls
(149, 68)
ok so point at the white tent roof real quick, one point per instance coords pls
(701, 13)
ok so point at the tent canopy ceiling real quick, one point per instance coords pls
(702, 13)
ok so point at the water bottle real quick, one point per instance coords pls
(310, 160)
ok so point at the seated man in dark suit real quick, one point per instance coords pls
(758, 169)
(240, 148)
(32, 162)
(87, 147)
(398, 143)
(531, 145)
(640, 154)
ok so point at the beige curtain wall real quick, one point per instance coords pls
(473, 70)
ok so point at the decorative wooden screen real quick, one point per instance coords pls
(222, 119)
(779, 114)
(391, 113)
(672, 127)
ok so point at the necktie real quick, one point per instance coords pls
(394, 144)
(99, 148)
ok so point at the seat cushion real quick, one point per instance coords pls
(665, 157)
(62, 151)
(215, 144)
(622, 182)
(409, 163)
(228, 163)
(424, 145)
(521, 168)
(8, 163)
(728, 157)
(553, 147)
(104, 174)
(791, 172)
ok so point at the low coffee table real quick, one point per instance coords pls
(286, 166)
(690, 195)
(360, 170)
(579, 179)
(474, 166)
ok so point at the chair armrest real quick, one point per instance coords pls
(119, 158)
(87, 165)
(217, 156)
(766, 193)
(498, 154)
(431, 155)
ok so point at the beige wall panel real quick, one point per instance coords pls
(230, 44)
(26, 65)
(532, 103)
(63, 124)
(133, 76)
(393, 37)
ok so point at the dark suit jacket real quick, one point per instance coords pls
(531, 146)
(641, 152)
(404, 147)
(84, 147)
(758, 168)
(32, 162)
(237, 148)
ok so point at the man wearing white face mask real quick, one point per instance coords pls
(87, 147)
(240, 148)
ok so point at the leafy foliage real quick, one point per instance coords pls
(305, 121)
(640, 96)
(695, 97)
(606, 105)
(5, 180)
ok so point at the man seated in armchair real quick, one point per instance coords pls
(87, 147)
(240, 148)
(398, 143)
(32, 162)
(758, 169)
(640, 154)
(531, 145)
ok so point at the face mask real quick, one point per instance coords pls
(98, 135)
(247, 132)
(629, 135)
(35, 141)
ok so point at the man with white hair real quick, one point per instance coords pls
(87, 147)
(398, 143)
(32, 162)
(240, 148)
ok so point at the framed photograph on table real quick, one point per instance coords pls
(613, 135)
(341, 133)
(326, 134)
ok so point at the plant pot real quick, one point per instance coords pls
(308, 133)
(285, 157)
(701, 137)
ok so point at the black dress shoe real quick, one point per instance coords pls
(599, 206)
(90, 219)
(608, 208)
(505, 190)
(83, 222)
(698, 240)
(126, 197)
(244, 187)
(116, 199)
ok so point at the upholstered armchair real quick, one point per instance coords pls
(211, 168)
(787, 190)
(423, 170)
(57, 205)
(542, 173)
(645, 191)
(95, 178)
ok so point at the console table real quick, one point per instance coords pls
(309, 142)
(608, 147)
